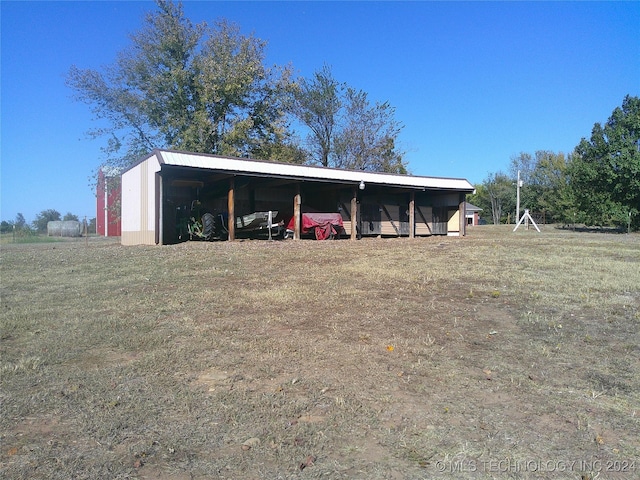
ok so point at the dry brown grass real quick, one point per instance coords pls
(488, 356)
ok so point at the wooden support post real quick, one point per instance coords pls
(231, 207)
(297, 216)
(412, 215)
(463, 215)
(354, 215)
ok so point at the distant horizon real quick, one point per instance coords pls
(474, 83)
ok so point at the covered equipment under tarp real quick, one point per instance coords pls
(324, 225)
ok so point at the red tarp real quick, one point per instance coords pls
(324, 225)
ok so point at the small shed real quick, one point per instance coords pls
(472, 213)
(166, 186)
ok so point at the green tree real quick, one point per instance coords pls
(188, 87)
(44, 217)
(551, 189)
(525, 163)
(20, 222)
(367, 140)
(545, 184)
(244, 99)
(500, 189)
(6, 227)
(605, 170)
(346, 129)
(317, 103)
(70, 216)
(481, 199)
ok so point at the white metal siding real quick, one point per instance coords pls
(139, 204)
(131, 199)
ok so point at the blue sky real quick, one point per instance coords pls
(473, 83)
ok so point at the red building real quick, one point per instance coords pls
(108, 205)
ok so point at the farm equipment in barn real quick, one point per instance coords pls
(260, 223)
(210, 227)
(191, 225)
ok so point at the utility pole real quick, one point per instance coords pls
(518, 185)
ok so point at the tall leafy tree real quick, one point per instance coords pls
(316, 103)
(525, 163)
(367, 141)
(20, 222)
(481, 199)
(545, 189)
(545, 184)
(502, 196)
(347, 130)
(44, 217)
(6, 227)
(605, 170)
(550, 187)
(187, 86)
(244, 99)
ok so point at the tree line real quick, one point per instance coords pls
(39, 225)
(596, 184)
(206, 89)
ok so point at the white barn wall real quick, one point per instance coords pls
(139, 196)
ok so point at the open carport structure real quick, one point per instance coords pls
(163, 188)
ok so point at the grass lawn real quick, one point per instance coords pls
(496, 355)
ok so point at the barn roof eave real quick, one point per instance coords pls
(261, 168)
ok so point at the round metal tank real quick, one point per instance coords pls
(64, 228)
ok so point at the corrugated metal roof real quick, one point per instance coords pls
(255, 167)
